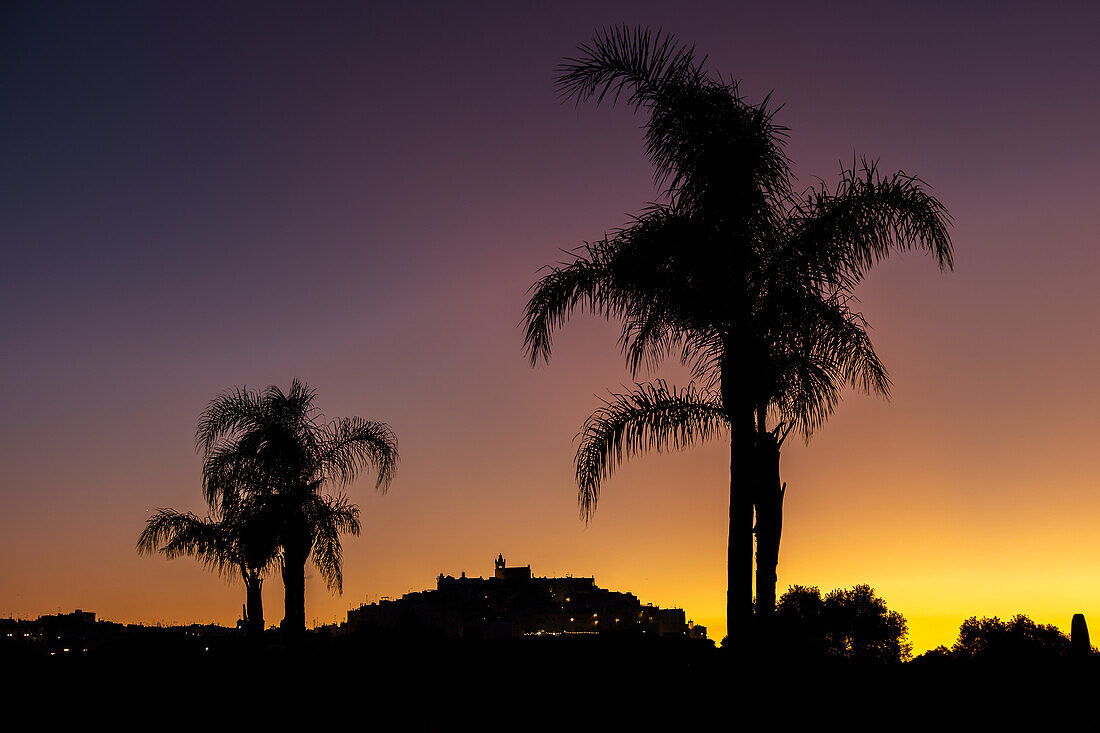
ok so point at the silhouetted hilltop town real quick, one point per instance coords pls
(513, 602)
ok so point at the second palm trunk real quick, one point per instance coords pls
(769, 522)
(739, 559)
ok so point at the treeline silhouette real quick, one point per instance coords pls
(845, 626)
(1018, 639)
(856, 625)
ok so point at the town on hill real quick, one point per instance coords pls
(512, 602)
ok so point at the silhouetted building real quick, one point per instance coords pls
(80, 633)
(62, 633)
(74, 619)
(506, 573)
(514, 603)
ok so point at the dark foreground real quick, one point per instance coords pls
(536, 684)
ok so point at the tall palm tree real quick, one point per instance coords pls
(241, 541)
(276, 445)
(728, 273)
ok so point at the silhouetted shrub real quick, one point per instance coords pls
(939, 655)
(849, 624)
(1020, 638)
(799, 622)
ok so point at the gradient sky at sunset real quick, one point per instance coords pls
(195, 196)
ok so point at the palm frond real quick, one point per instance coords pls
(176, 534)
(329, 517)
(350, 444)
(651, 417)
(867, 217)
(702, 136)
(817, 345)
(587, 281)
(227, 413)
(719, 154)
(621, 58)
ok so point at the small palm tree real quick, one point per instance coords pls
(241, 542)
(275, 447)
(747, 282)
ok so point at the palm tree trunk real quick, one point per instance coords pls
(769, 523)
(739, 558)
(294, 587)
(254, 611)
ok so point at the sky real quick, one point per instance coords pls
(196, 196)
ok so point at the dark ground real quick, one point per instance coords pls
(543, 684)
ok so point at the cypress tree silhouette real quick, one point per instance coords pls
(1079, 636)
